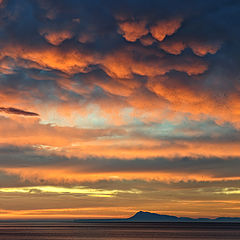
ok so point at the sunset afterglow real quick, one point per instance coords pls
(112, 107)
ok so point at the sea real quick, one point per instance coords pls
(117, 231)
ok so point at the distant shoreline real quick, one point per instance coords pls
(139, 217)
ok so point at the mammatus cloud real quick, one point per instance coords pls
(133, 30)
(17, 111)
(198, 48)
(156, 46)
(56, 38)
(165, 28)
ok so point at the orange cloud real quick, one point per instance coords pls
(123, 64)
(147, 40)
(185, 99)
(31, 132)
(116, 88)
(56, 37)
(173, 47)
(201, 49)
(232, 105)
(146, 101)
(71, 176)
(112, 142)
(130, 148)
(71, 61)
(177, 95)
(165, 28)
(133, 30)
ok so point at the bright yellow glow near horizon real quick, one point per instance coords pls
(64, 190)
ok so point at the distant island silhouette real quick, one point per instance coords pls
(154, 217)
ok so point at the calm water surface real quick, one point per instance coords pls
(118, 231)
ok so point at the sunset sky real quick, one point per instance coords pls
(108, 107)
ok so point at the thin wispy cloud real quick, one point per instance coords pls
(17, 111)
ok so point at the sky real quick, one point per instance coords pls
(112, 107)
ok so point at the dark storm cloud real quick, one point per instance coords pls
(11, 110)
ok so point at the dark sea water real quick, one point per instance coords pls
(118, 231)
